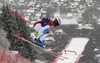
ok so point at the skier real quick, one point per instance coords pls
(42, 26)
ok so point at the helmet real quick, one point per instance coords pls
(57, 22)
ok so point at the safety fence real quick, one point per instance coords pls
(7, 56)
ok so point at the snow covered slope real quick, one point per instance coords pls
(73, 50)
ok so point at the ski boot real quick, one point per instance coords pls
(38, 42)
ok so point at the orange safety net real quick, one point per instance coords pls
(7, 56)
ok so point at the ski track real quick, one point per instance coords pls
(73, 50)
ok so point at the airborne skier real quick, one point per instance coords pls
(42, 26)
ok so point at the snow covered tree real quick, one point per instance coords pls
(14, 25)
(9, 24)
(3, 40)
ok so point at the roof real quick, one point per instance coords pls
(69, 21)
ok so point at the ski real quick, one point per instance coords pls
(46, 50)
(33, 43)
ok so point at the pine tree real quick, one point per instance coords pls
(14, 25)
(9, 24)
(24, 32)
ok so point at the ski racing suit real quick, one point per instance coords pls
(42, 29)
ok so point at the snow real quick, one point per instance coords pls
(77, 0)
(65, 21)
(38, 14)
(85, 26)
(39, 61)
(31, 3)
(21, 0)
(50, 38)
(75, 3)
(31, 10)
(26, 17)
(15, 52)
(75, 48)
(57, 15)
(33, 36)
(1, 5)
(33, 22)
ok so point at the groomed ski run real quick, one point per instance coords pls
(73, 50)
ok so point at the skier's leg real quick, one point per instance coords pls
(42, 37)
(44, 34)
(38, 42)
(37, 28)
